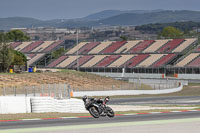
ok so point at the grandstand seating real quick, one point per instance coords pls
(30, 47)
(136, 60)
(141, 46)
(155, 46)
(35, 58)
(107, 61)
(77, 47)
(86, 48)
(119, 62)
(126, 47)
(81, 61)
(42, 46)
(31, 55)
(22, 46)
(195, 62)
(187, 59)
(171, 45)
(15, 44)
(94, 61)
(57, 61)
(150, 60)
(100, 47)
(164, 60)
(52, 46)
(113, 47)
(184, 45)
(67, 61)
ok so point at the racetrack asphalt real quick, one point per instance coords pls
(89, 120)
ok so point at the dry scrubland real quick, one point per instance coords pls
(77, 81)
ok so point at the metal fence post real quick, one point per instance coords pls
(4, 90)
(54, 90)
(26, 92)
(69, 90)
(33, 90)
(14, 88)
(64, 86)
(42, 90)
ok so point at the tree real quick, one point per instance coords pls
(17, 36)
(8, 56)
(19, 58)
(171, 32)
(124, 38)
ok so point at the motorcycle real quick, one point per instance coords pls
(98, 107)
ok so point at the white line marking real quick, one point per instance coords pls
(30, 119)
(175, 111)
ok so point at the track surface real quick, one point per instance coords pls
(179, 100)
(90, 120)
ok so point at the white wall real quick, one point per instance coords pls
(130, 75)
(48, 104)
(11, 105)
(125, 92)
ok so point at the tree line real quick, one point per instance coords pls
(157, 28)
(8, 56)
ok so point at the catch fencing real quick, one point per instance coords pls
(52, 90)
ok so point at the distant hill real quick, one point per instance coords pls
(155, 17)
(16, 22)
(134, 17)
(110, 13)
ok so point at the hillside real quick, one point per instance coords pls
(110, 13)
(110, 17)
(156, 17)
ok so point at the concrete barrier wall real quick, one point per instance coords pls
(188, 76)
(126, 92)
(48, 104)
(129, 75)
(12, 105)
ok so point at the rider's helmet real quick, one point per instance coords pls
(84, 98)
(107, 99)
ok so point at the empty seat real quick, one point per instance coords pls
(126, 47)
(155, 46)
(119, 62)
(94, 61)
(113, 47)
(77, 47)
(141, 46)
(187, 59)
(150, 60)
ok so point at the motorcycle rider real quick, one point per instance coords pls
(99, 101)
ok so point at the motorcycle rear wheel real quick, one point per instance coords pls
(94, 112)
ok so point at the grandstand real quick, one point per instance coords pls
(135, 56)
(36, 50)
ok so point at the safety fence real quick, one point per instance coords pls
(52, 90)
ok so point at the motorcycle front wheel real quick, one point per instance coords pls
(110, 112)
(94, 112)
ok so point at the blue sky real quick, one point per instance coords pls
(67, 9)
